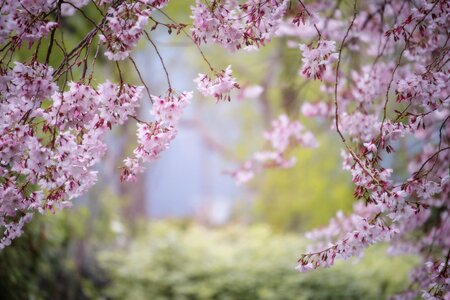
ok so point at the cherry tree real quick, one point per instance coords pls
(383, 72)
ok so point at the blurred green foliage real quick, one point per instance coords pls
(68, 257)
(167, 262)
(49, 262)
(55, 258)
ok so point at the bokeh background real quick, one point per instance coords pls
(185, 230)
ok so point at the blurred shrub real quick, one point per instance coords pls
(55, 257)
(166, 262)
(50, 261)
(90, 254)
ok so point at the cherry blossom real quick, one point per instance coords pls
(319, 109)
(47, 154)
(389, 206)
(154, 138)
(219, 87)
(283, 136)
(117, 103)
(168, 110)
(125, 25)
(233, 25)
(316, 59)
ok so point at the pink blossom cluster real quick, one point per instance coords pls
(318, 109)
(153, 138)
(428, 89)
(19, 21)
(316, 59)
(125, 25)
(405, 51)
(219, 87)
(168, 110)
(360, 126)
(233, 25)
(50, 140)
(52, 129)
(304, 16)
(283, 136)
(371, 83)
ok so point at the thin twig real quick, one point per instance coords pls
(161, 59)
